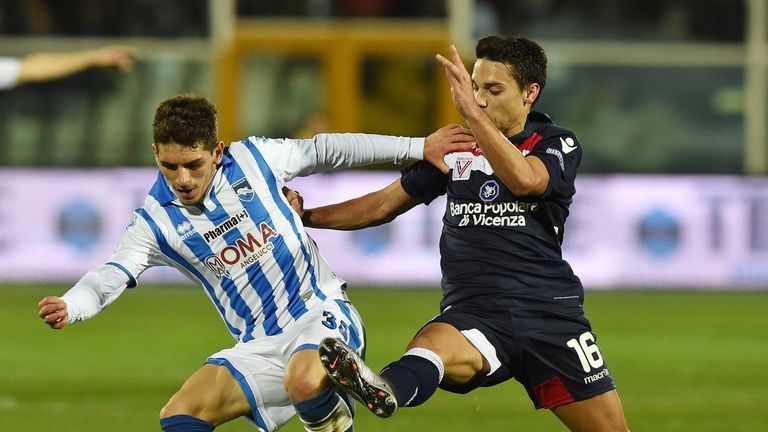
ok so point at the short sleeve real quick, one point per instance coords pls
(561, 155)
(423, 181)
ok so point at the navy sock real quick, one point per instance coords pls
(185, 423)
(320, 406)
(413, 378)
(347, 400)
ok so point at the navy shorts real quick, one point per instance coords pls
(554, 356)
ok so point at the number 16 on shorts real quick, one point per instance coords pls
(587, 350)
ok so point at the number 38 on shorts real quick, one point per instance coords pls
(333, 323)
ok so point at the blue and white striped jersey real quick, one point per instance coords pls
(244, 244)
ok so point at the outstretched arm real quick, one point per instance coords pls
(373, 209)
(50, 66)
(95, 291)
(292, 158)
(98, 288)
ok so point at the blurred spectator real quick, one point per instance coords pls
(170, 18)
(344, 8)
(50, 66)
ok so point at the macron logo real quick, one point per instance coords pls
(568, 144)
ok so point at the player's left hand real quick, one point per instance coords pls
(294, 199)
(447, 139)
(460, 82)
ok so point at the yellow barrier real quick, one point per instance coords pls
(340, 47)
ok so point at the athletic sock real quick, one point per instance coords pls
(185, 423)
(320, 409)
(415, 376)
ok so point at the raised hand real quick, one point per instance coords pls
(460, 82)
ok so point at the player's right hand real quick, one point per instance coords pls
(53, 311)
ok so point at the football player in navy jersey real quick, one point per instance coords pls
(511, 306)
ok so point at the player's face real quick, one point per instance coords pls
(189, 170)
(499, 95)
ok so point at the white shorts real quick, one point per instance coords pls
(259, 364)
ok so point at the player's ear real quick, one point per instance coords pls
(218, 152)
(531, 93)
(156, 152)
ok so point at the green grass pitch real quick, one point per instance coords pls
(683, 361)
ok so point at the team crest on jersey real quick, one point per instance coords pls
(489, 191)
(217, 267)
(462, 168)
(244, 190)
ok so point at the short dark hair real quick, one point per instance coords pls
(187, 120)
(525, 59)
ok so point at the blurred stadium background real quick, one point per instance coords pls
(669, 228)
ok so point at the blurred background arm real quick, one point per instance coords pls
(50, 66)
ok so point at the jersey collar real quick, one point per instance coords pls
(161, 191)
(534, 122)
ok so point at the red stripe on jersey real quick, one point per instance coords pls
(530, 143)
(476, 151)
(552, 393)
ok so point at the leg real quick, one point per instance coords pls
(439, 351)
(461, 360)
(439, 354)
(210, 395)
(319, 405)
(348, 371)
(305, 377)
(601, 413)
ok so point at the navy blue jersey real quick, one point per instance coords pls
(498, 249)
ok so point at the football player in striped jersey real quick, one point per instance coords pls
(218, 215)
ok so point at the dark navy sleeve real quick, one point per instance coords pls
(423, 181)
(561, 155)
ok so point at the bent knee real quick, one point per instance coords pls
(181, 404)
(301, 387)
(461, 358)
